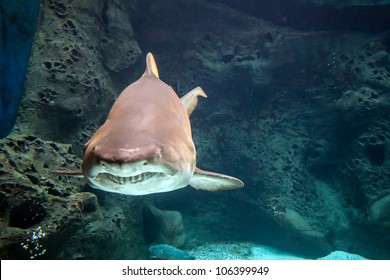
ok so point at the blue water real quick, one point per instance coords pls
(17, 26)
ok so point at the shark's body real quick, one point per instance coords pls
(145, 145)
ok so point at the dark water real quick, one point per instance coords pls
(320, 15)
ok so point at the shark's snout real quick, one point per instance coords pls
(133, 164)
(125, 153)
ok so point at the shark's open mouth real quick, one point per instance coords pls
(130, 179)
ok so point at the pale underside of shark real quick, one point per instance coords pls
(145, 145)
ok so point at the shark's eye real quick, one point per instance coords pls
(145, 163)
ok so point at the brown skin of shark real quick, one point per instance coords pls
(161, 121)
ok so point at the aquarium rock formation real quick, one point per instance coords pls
(79, 48)
(46, 216)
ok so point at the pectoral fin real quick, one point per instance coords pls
(70, 172)
(190, 100)
(210, 181)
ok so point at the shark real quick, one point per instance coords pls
(145, 145)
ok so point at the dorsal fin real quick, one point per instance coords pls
(151, 66)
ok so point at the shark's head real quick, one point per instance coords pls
(136, 170)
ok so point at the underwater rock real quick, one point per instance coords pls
(367, 162)
(295, 220)
(341, 255)
(163, 226)
(235, 250)
(47, 216)
(364, 99)
(120, 49)
(366, 62)
(380, 213)
(27, 160)
(211, 55)
(17, 25)
(69, 82)
(167, 252)
(302, 232)
(35, 201)
(254, 251)
(42, 222)
(116, 234)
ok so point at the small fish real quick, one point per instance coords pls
(167, 252)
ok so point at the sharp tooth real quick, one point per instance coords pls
(111, 177)
(132, 179)
(116, 179)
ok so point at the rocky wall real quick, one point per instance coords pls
(78, 47)
(44, 215)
